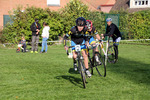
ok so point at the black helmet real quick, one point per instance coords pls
(81, 21)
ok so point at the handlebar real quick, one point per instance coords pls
(71, 47)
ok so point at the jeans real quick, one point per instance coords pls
(44, 44)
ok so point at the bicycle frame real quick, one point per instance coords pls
(104, 51)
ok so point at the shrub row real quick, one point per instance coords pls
(135, 25)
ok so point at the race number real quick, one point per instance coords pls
(77, 48)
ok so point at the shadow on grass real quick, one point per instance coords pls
(137, 72)
(72, 71)
(72, 79)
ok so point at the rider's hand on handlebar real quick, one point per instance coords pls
(102, 35)
(87, 44)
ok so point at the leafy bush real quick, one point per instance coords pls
(98, 19)
(22, 21)
(139, 24)
(132, 26)
(73, 10)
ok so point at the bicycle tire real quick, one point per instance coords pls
(17, 50)
(112, 54)
(101, 68)
(82, 72)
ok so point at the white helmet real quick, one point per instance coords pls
(108, 20)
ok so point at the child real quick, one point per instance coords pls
(23, 42)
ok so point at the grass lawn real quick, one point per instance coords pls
(50, 76)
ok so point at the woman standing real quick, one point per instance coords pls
(45, 36)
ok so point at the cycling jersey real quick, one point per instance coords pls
(76, 36)
(113, 31)
(91, 33)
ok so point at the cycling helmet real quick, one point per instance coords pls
(89, 24)
(80, 21)
(108, 19)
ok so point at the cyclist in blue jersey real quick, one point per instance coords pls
(77, 34)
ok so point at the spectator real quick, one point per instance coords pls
(45, 36)
(35, 28)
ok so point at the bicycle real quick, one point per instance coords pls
(100, 66)
(20, 48)
(80, 62)
(111, 53)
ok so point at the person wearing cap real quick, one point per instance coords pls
(78, 37)
(112, 31)
(35, 28)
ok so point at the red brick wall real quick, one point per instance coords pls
(9, 5)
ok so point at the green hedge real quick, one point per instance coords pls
(132, 26)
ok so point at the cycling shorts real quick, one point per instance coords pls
(92, 40)
(82, 47)
(116, 42)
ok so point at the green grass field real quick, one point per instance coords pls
(25, 76)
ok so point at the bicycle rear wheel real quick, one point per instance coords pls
(100, 66)
(82, 72)
(112, 54)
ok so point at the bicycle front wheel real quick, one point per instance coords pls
(82, 72)
(18, 50)
(112, 55)
(100, 64)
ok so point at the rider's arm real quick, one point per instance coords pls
(96, 34)
(86, 38)
(110, 33)
(66, 37)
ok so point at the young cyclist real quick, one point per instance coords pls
(112, 31)
(91, 32)
(23, 42)
(77, 34)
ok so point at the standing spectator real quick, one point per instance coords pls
(35, 28)
(45, 36)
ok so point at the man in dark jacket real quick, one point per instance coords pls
(112, 31)
(35, 28)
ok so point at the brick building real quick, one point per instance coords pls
(9, 5)
(131, 5)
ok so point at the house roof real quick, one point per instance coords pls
(125, 4)
(110, 2)
(121, 4)
(93, 4)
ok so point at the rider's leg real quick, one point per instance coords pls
(116, 43)
(74, 60)
(93, 42)
(85, 56)
(74, 57)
